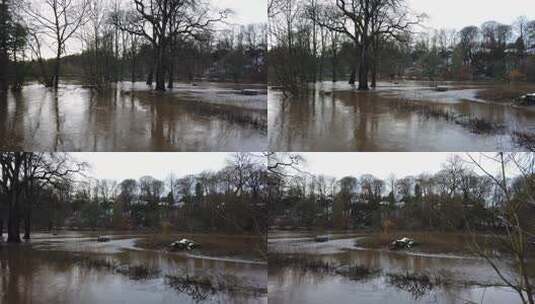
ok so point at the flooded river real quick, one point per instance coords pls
(464, 279)
(72, 267)
(335, 117)
(130, 117)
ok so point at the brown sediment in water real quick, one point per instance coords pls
(347, 120)
(233, 113)
(78, 119)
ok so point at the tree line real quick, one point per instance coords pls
(47, 191)
(454, 199)
(156, 40)
(488, 198)
(363, 40)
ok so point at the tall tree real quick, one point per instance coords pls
(369, 20)
(161, 21)
(60, 20)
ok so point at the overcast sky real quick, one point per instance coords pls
(381, 164)
(457, 14)
(244, 12)
(119, 166)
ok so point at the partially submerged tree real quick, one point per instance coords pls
(367, 21)
(162, 22)
(22, 175)
(59, 20)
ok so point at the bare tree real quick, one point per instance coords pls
(21, 173)
(161, 21)
(368, 21)
(60, 19)
(516, 229)
(280, 163)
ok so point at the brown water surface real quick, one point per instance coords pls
(129, 117)
(73, 268)
(335, 117)
(470, 279)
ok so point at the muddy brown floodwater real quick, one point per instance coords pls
(72, 267)
(130, 117)
(397, 117)
(394, 277)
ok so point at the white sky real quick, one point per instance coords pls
(245, 12)
(119, 166)
(457, 14)
(382, 165)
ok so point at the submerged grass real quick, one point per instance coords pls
(417, 284)
(200, 287)
(474, 124)
(307, 263)
(133, 272)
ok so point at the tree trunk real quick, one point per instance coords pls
(57, 68)
(171, 70)
(374, 74)
(375, 62)
(334, 59)
(27, 220)
(160, 70)
(133, 67)
(352, 78)
(13, 235)
(171, 77)
(364, 66)
(151, 73)
(335, 63)
(150, 76)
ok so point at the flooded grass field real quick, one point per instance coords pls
(406, 116)
(72, 267)
(342, 271)
(131, 117)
